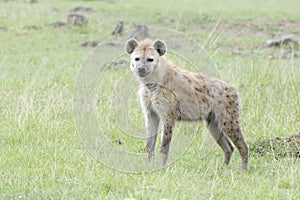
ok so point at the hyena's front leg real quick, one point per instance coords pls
(167, 132)
(152, 123)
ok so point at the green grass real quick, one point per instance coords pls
(42, 156)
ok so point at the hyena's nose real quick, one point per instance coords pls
(141, 69)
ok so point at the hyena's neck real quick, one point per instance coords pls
(152, 87)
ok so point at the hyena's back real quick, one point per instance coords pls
(194, 96)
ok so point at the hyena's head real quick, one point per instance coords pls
(144, 55)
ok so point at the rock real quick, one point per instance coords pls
(284, 40)
(77, 20)
(119, 28)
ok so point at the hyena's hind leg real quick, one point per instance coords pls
(231, 125)
(222, 140)
(233, 131)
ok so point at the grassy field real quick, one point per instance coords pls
(42, 155)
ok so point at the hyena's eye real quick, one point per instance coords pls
(150, 59)
(137, 59)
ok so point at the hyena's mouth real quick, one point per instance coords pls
(142, 73)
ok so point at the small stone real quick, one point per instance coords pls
(77, 20)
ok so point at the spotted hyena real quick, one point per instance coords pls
(168, 93)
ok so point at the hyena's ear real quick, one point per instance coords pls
(160, 46)
(130, 45)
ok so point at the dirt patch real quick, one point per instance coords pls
(266, 34)
(82, 9)
(246, 28)
(57, 24)
(257, 28)
(90, 44)
(278, 147)
(292, 26)
(117, 64)
(32, 27)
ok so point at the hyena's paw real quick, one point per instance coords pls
(245, 164)
(150, 156)
(163, 159)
